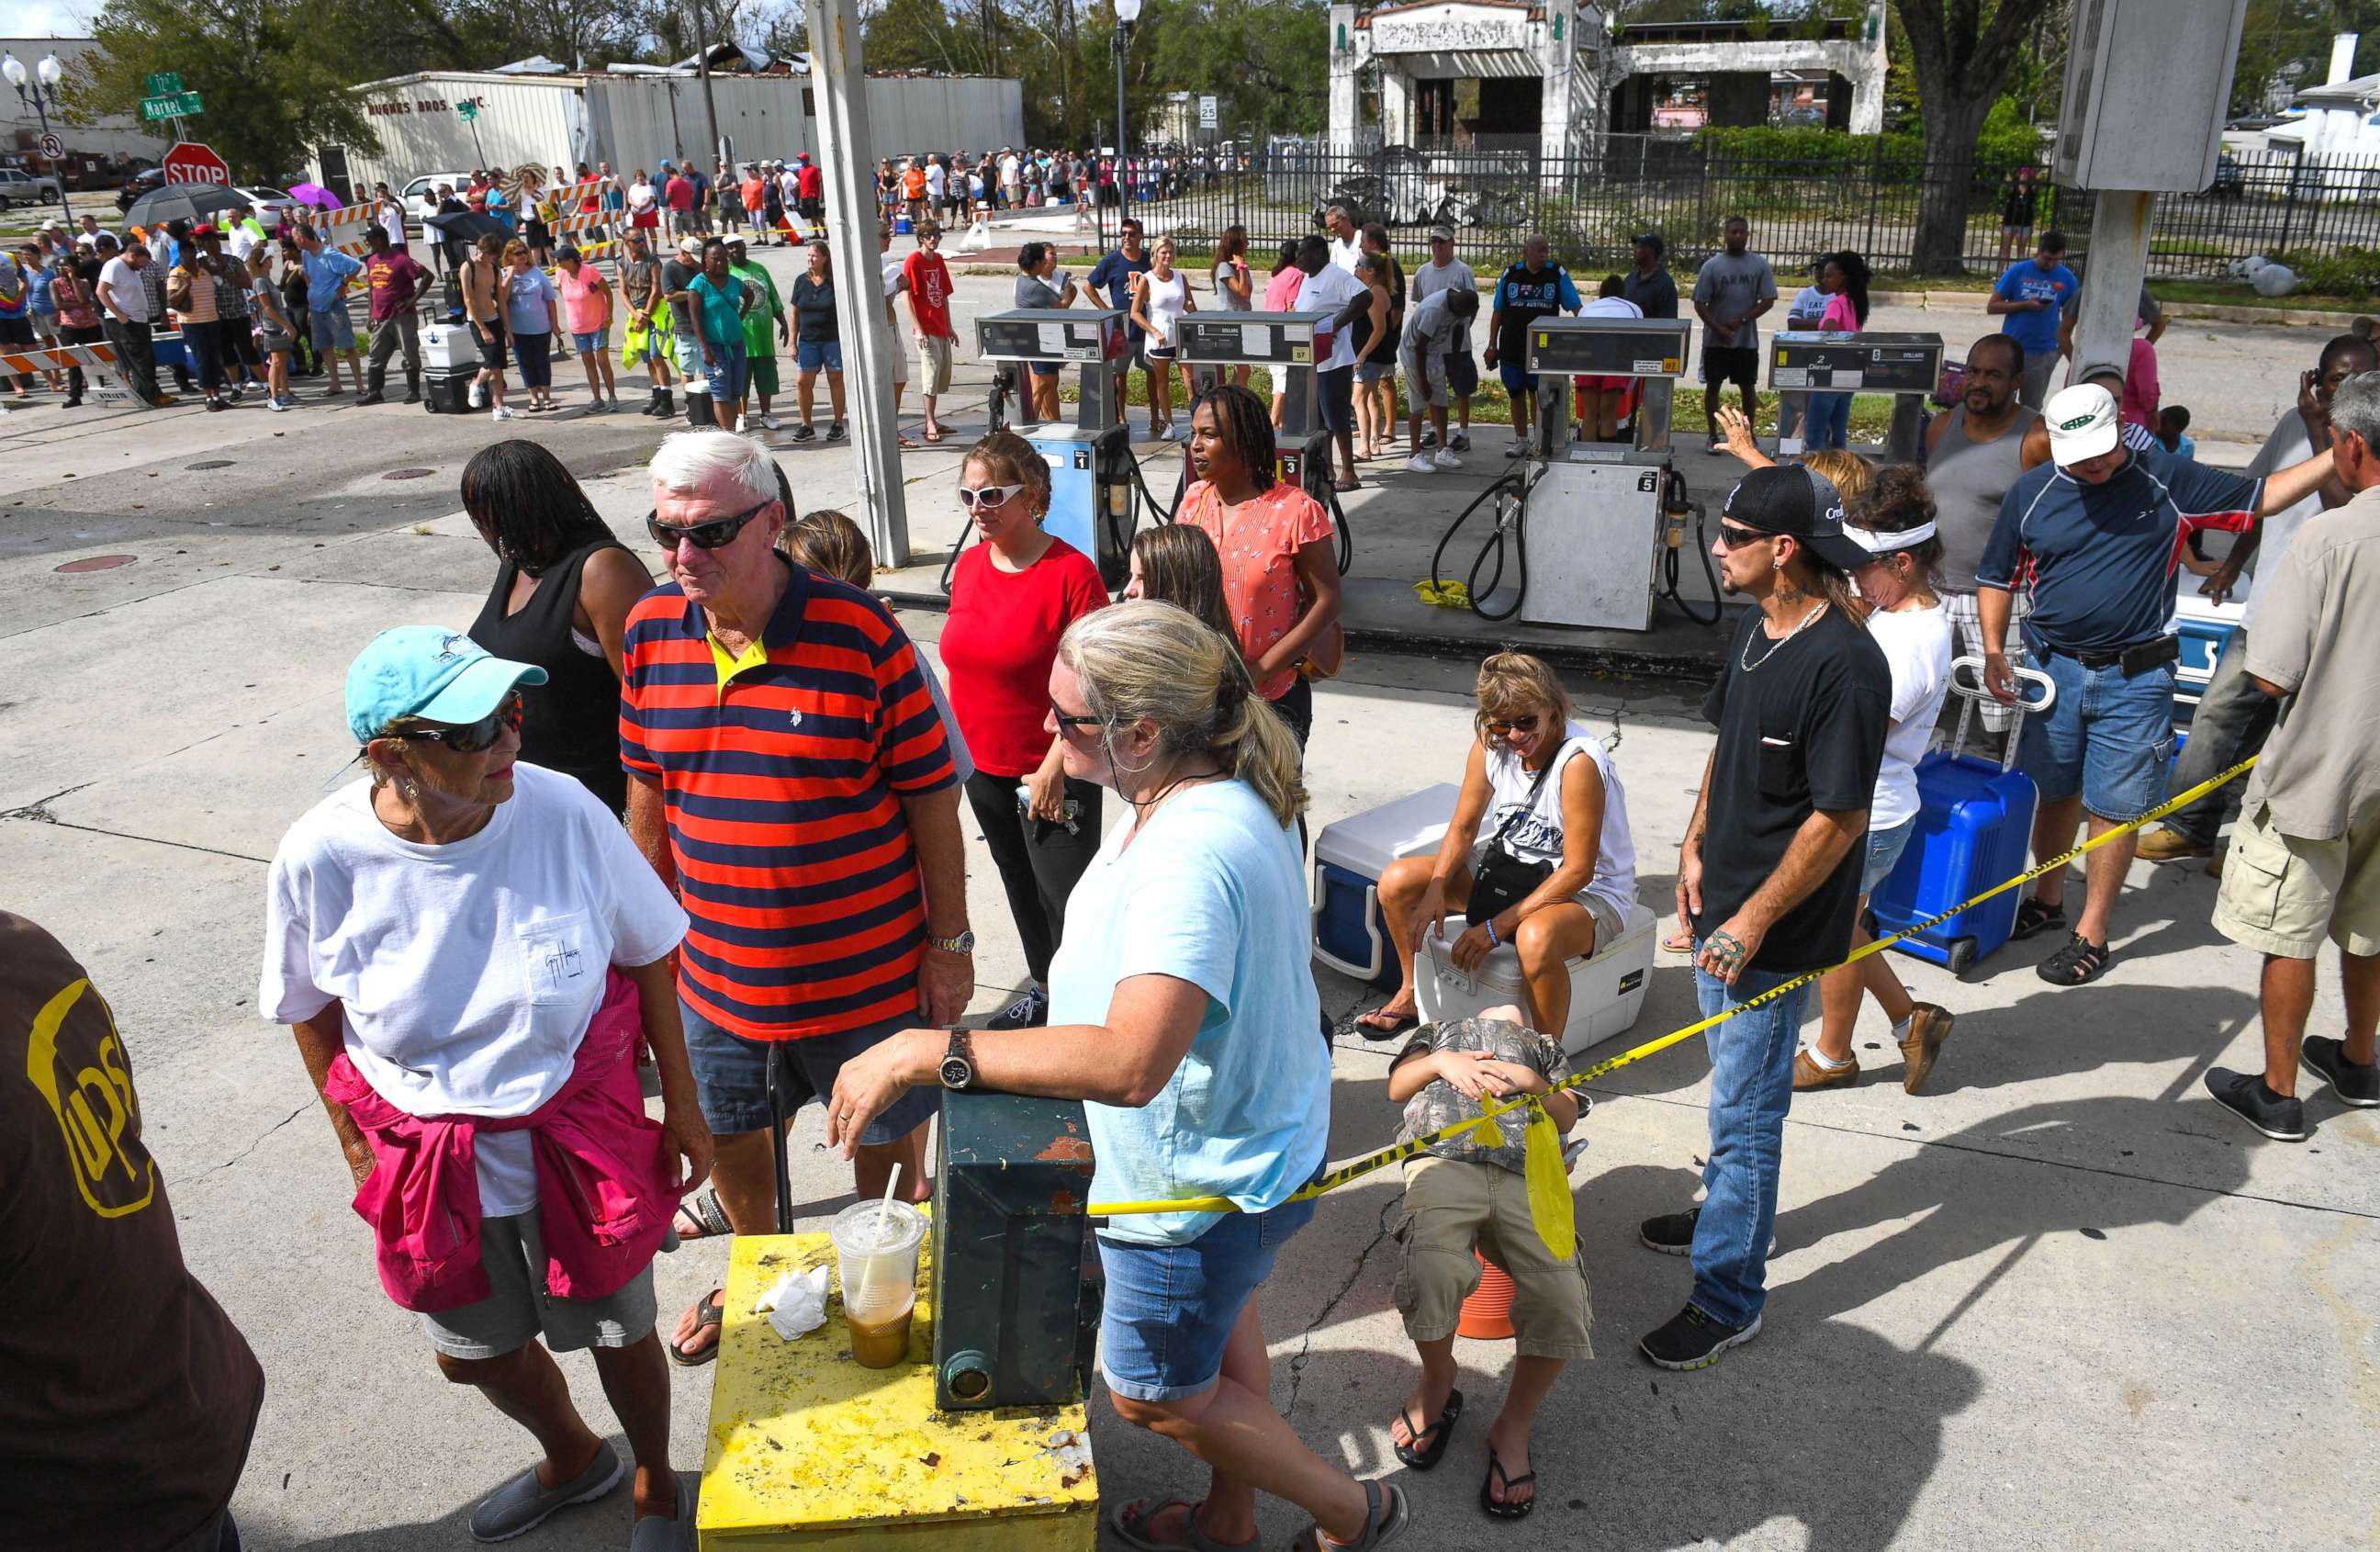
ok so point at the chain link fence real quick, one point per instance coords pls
(1866, 197)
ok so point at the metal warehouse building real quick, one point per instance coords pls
(635, 119)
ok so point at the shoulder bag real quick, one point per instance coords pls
(1504, 878)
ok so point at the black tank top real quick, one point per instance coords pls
(571, 722)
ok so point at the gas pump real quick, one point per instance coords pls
(1906, 366)
(1596, 527)
(1092, 473)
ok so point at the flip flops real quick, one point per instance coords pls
(1424, 1459)
(1505, 1510)
(1397, 1023)
(711, 1311)
(702, 1211)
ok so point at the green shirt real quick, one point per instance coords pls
(761, 323)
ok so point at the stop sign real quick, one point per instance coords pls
(189, 162)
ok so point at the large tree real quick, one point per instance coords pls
(1961, 51)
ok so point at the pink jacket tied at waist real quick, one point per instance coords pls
(606, 1175)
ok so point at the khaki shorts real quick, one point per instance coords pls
(1450, 1208)
(933, 365)
(2285, 896)
(519, 1308)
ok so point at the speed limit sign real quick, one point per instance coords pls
(51, 147)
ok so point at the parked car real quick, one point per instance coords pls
(420, 196)
(270, 202)
(146, 180)
(21, 187)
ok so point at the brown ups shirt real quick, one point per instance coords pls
(126, 1396)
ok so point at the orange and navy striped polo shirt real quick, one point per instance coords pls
(783, 774)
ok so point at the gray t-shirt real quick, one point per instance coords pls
(1437, 1106)
(1431, 329)
(1434, 277)
(2288, 444)
(1729, 286)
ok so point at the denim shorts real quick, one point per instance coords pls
(1336, 389)
(811, 355)
(727, 372)
(2107, 738)
(597, 343)
(1884, 849)
(731, 1076)
(1171, 1308)
(331, 329)
(1517, 379)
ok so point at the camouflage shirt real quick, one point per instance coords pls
(1437, 1106)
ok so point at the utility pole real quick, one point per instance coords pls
(838, 74)
(702, 68)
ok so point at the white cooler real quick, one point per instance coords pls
(1350, 935)
(1605, 990)
(445, 348)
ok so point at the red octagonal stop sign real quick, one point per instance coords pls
(189, 162)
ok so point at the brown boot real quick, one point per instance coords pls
(1808, 1075)
(1928, 1027)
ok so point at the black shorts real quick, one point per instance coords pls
(1731, 365)
(1461, 373)
(491, 347)
(814, 211)
(1337, 387)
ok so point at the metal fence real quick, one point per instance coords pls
(1867, 198)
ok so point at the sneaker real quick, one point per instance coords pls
(804, 433)
(280, 406)
(1460, 441)
(1169, 434)
(500, 413)
(594, 406)
(1447, 460)
(611, 404)
(1809, 1077)
(233, 395)
(1928, 1027)
(478, 395)
(834, 431)
(1673, 1233)
(1420, 464)
(1694, 1341)
(2279, 1117)
(742, 424)
(2355, 1083)
(1516, 448)
(769, 422)
(214, 405)
(1712, 449)
(413, 395)
(2166, 843)
(522, 1504)
(373, 399)
(1429, 437)
(1029, 1011)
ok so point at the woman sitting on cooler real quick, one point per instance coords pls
(1557, 872)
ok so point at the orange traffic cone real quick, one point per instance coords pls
(1487, 1314)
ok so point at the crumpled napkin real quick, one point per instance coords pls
(796, 1305)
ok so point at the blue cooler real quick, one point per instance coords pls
(1350, 935)
(2205, 628)
(1974, 828)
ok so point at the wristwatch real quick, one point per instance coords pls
(958, 1062)
(962, 943)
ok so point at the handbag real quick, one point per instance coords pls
(1504, 878)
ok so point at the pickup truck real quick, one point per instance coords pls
(19, 188)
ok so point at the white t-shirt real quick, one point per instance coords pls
(1434, 277)
(1344, 254)
(2287, 446)
(1610, 307)
(1327, 290)
(1008, 169)
(392, 221)
(938, 180)
(468, 971)
(640, 196)
(1537, 835)
(789, 187)
(123, 283)
(1916, 644)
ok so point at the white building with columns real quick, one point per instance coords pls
(1553, 77)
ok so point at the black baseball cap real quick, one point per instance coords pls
(1797, 500)
(1652, 240)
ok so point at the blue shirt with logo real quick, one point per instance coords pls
(2037, 330)
(2100, 561)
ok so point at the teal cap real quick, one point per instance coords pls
(429, 672)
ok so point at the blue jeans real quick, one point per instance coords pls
(1752, 1087)
(2108, 737)
(1828, 422)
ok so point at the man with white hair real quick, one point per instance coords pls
(2095, 537)
(789, 776)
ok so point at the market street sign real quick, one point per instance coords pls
(181, 105)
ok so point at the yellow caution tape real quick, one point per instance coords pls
(1549, 1182)
(1553, 1222)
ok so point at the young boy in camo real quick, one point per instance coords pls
(1462, 1196)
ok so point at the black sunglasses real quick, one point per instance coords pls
(1499, 726)
(711, 534)
(1736, 538)
(472, 738)
(1067, 722)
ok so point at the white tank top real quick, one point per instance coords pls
(1166, 301)
(1537, 835)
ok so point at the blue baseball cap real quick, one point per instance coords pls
(428, 671)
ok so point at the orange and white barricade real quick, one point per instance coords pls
(347, 228)
(94, 358)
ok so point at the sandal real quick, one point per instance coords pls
(1423, 1458)
(2079, 963)
(1123, 1519)
(1347, 484)
(703, 1211)
(1680, 941)
(709, 1311)
(2032, 916)
(1387, 1517)
(1382, 1025)
(1507, 1510)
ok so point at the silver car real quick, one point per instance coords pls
(21, 187)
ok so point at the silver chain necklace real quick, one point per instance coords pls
(1745, 658)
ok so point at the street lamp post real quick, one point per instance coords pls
(48, 73)
(1127, 12)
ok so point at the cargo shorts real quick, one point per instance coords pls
(1453, 1207)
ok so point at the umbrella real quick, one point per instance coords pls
(316, 194)
(468, 226)
(184, 201)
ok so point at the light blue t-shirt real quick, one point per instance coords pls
(528, 301)
(1212, 892)
(327, 270)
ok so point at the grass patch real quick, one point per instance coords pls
(2218, 293)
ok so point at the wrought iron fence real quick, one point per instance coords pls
(1591, 206)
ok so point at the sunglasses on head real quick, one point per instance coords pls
(710, 534)
(988, 495)
(472, 738)
(1499, 726)
(1736, 538)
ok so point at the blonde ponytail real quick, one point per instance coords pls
(1146, 661)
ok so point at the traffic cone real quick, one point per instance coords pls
(1487, 1314)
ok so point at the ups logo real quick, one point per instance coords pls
(98, 1118)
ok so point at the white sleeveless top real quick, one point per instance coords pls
(1168, 299)
(1537, 835)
